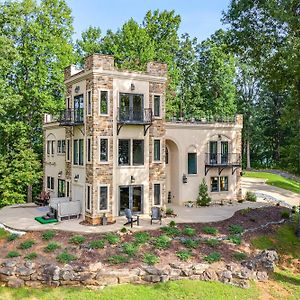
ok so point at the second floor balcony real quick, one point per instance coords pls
(134, 116)
(222, 161)
(71, 117)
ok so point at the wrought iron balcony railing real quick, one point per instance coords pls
(222, 159)
(134, 116)
(71, 117)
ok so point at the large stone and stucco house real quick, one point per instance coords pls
(111, 148)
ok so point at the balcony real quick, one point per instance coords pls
(71, 117)
(128, 116)
(222, 161)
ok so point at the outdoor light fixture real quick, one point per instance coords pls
(76, 177)
(132, 179)
(59, 173)
(77, 89)
(184, 178)
(220, 137)
(132, 87)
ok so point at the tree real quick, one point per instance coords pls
(203, 197)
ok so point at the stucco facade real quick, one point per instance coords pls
(112, 148)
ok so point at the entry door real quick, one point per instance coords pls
(131, 107)
(78, 108)
(213, 150)
(224, 152)
(131, 197)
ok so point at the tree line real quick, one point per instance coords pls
(252, 68)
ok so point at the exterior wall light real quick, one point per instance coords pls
(132, 179)
(59, 174)
(132, 87)
(184, 178)
(77, 89)
(76, 177)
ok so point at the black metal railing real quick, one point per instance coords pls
(71, 116)
(134, 116)
(223, 159)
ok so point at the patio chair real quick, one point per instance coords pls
(130, 218)
(155, 214)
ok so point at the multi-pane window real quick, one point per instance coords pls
(124, 152)
(131, 152)
(89, 150)
(214, 183)
(104, 102)
(156, 150)
(61, 146)
(223, 183)
(156, 111)
(68, 150)
(219, 184)
(75, 152)
(103, 197)
(50, 183)
(138, 152)
(89, 103)
(157, 194)
(88, 201)
(48, 147)
(78, 152)
(103, 150)
(192, 163)
(81, 152)
(61, 190)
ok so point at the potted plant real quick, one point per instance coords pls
(104, 219)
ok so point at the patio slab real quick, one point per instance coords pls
(21, 217)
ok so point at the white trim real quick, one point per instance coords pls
(102, 137)
(160, 105)
(160, 149)
(99, 102)
(161, 185)
(89, 138)
(87, 102)
(98, 199)
(86, 197)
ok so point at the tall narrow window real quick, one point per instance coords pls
(52, 147)
(61, 192)
(138, 152)
(68, 150)
(214, 184)
(67, 188)
(157, 194)
(104, 102)
(103, 198)
(124, 152)
(192, 163)
(81, 152)
(213, 152)
(103, 150)
(224, 183)
(50, 183)
(224, 153)
(156, 155)
(89, 150)
(63, 146)
(75, 152)
(68, 103)
(59, 146)
(89, 103)
(48, 147)
(167, 155)
(88, 201)
(156, 105)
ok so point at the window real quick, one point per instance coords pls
(192, 163)
(124, 152)
(67, 188)
(167, 155)
(50, 183)
(103, 197)
(156, 104)
(157, 194)
(104, 102)
(138, 152)
(52, 147)
(61, 146)
(103, 150)
(131, 107)
(223, 183)
(48, 147)
(89, 150)
(88, 199)
(89, 103)
(156, 155)
(213, 152)
(68, 150)
(68, 103)
(214, 183)
(61, 192)
(75, 152)
(81, 152)
(78, 152)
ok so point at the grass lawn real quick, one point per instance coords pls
(276, 180)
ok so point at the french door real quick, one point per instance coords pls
(213, 152)
(131, 196)
(78, 108)
(131, 107)
(224, 153)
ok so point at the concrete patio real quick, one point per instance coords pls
(21, 217)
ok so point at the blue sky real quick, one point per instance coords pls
(200, 18)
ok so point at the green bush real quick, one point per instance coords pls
(239, 256)
(170, 230)
(51, 247)
(285, 214)
(250, 196)
(190, 243)
(77, 239)
(130, 249)
(212, 257)
(150, 259)
(141, 237)
(112, 238)
(31, 256)
(48, 235)
(203, 197)
(26, 244)
(66, 257)
(210, 230)
(189, 231)
(169, 211)
(118, 259)
(162, 242)
(123, 230)
(12, 254)
(172, 223)
(184, 255)
(97, 244)
(245, 211)
(236, 229)
(213, 242)
(3, 233)
(12, 237)
(235, 239)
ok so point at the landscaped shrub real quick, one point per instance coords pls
(150, 259)
(123, 230)
(213, 242)
(210, 230)
(31, 256)
(3, 233)
(212, 257)
(203, 197)
(172, 223)
(66, 257)
(162, 242)
(236, 229)
(112, 238)
(97, 244)
(235, 239)
(51, 247)
(189, 231)
(12, 254)
(141, 237)
(12, 237)
(130, 249)
(183, 255)
(170, 230)
(77, 239)
(240, 256)
(245, 211)
(169, 211)
(118, 259)
(250, 196)
(190, 243)
(48, 235)
(285, 214)
(26, 244)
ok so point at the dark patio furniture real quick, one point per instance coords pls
(156, 214)
(130, 218)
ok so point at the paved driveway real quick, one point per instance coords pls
(259, 185)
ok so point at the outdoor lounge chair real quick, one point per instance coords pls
(155, 214)
(130, 218)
